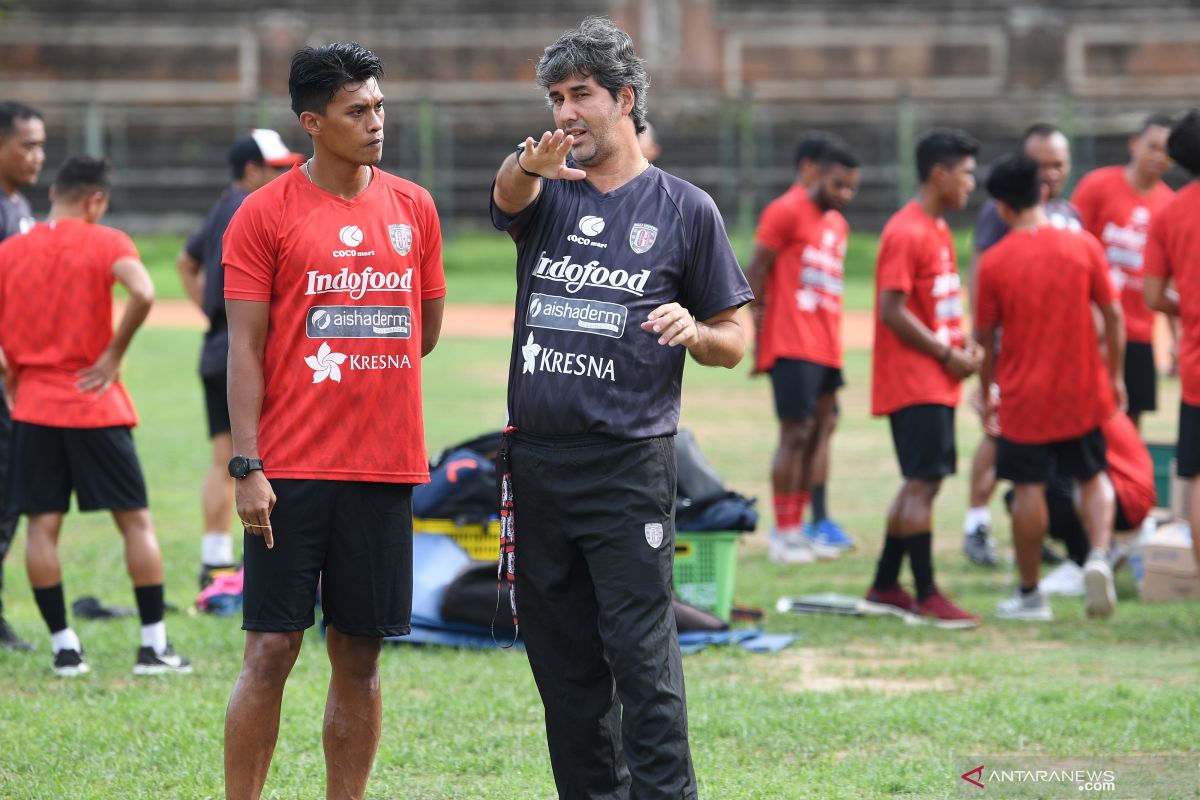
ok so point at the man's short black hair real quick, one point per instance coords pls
(1155, 121)
(945, 146)
(1013, 180)
(319, 73)
(1041, 130)
(1183, 145)
(10, 112)
(839, 153)
(813, 146)
(82, 175)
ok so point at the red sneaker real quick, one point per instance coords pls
(893, 601)
(938, 609)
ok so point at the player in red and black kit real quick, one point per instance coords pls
(334, 290)
(22, 154)
(1038, 285)
(1173, 254)
(919, 360)
(72, 418)
(797, 276)
(1118, 205)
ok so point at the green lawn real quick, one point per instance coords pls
(856, 709)
(479, 266)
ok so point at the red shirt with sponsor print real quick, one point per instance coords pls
(916, 257)
(1173, 253)
(804, 288)
(342, 367)
(1130, 467)
(1039, 286)
(1120, 217)
(56, 319)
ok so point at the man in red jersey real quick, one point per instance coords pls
(1038, 285)
(797, 274)
(919, 360)
(72, 418)
(1173, 254)
(334, 291)
(1117, 205)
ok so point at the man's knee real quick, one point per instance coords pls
(794, 435)
(353, 657)
(270, 656)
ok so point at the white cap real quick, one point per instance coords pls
(274, 152)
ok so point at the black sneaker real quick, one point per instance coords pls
(152, 663)
(979, 547)
(10, 640)
(69, 663)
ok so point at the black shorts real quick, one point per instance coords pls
(354, 537)
(216, 403)
(799, 383)
(924, 440)
(100, 465)
(1141, 377)
(1079, 459)
(1187, 449)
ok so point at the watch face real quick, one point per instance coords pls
(238, 466)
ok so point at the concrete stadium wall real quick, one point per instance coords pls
(163, 87)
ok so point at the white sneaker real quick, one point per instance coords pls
(792, 548)
(1028, 608)
(1098, 580)
(1066, 580)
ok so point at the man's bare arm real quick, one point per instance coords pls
(247, 342)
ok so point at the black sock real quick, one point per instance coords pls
(54, 609)
(920, 559)
(888, 571)
(149, 603)
(1025, 592)
(817, 497)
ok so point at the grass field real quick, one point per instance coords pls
(856, 709)
(479, 266)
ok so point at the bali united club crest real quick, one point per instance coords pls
(401, 236)
(654, 534)
(642, 236)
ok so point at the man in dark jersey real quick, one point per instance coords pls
(620, 269)
(1048, 146)
(22, 154)
(256, 159)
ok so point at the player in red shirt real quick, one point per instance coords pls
(797, 276)
(920, 358)
(1173, 254)
(334, 290)
(71, 416)
(1117, 205)
(1038, 285)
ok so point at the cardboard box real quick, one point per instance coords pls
(1169, 565)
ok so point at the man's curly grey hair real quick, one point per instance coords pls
(599, 49)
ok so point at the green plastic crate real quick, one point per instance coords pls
(1162, 453)
(705, 566)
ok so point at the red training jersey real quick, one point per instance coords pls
(916, 256)
(1173, 253)
(1120, 217)
(804, 288)
(342, 365)
(1039, 286)
(1130, 467)
(56, 319)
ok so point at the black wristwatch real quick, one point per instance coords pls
(240, 466)
(521, 149)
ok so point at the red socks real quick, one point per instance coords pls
(789, 510)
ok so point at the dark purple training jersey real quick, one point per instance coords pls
(590, 268)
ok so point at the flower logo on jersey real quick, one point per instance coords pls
(1140, 216)
(401, 236)
(529, 352)
(828, 239)
(654, 534)
(642, 236)
(326, 364)
(351, 235)
(591, 225)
